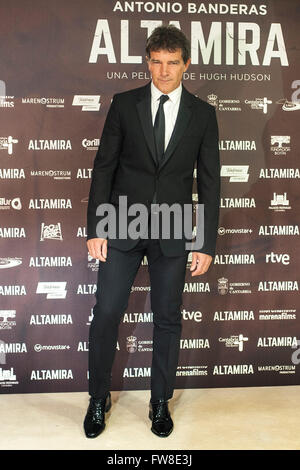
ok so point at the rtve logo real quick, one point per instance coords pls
(283, 258)
(193, 315)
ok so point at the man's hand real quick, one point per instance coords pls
(97, 248)
(200, 263)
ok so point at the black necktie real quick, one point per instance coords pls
(159, 129)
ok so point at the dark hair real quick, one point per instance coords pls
(169, 38)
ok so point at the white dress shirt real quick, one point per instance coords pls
(170, 108)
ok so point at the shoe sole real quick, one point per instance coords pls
(96, 435)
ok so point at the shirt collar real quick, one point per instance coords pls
(173, 96)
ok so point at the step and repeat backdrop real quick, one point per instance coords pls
(60, 64)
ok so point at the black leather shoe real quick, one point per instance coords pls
(94, 422)
(162, 424)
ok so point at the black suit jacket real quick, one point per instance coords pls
(125, 164)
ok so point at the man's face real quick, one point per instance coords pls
(167, 69)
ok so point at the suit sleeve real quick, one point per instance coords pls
(208, 183)
(105, 164)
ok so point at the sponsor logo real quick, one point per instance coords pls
(47, 102)
(288, 105)
(280, 202)
(286, 314)
(279, 144)
(140, 289)
(239, 231)
(7, 101)
(133, 345)
(8, 377)
(51, 232)
(10, 262)
(235, 173)
(7, 143)
(87, 102)
(281, 369)
(234, 341)
(226, 287)
(223, 286)
(193, 315)
(259, 103)
(187, 371)
(283, 258)
(55, 174)
(90, 144)
(93, 264)
(228, 104)
(7, 321)
(51, 347)
(10, 203)
(54, 290)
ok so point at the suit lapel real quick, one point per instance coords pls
(144, 110)
(181, 124)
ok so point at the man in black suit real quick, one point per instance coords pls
(152, 139)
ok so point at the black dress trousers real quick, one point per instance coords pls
(115, 279)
